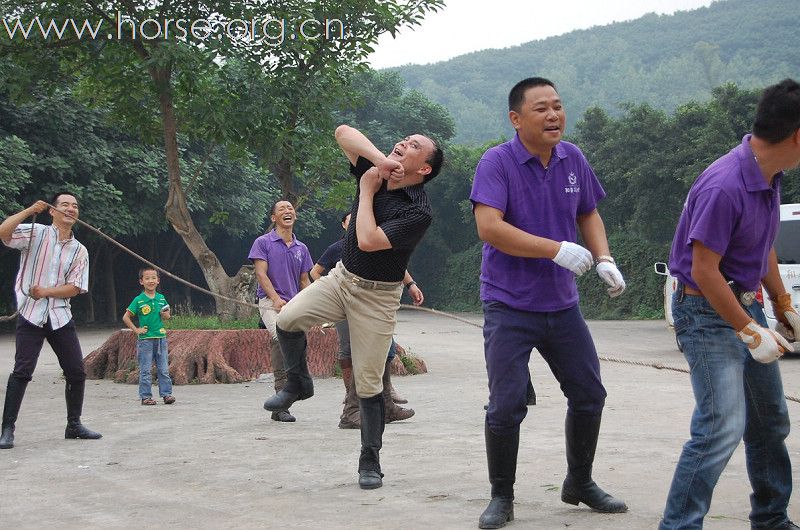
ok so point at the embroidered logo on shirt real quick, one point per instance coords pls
(573, 180)
(146, 309)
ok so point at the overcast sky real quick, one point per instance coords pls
(464, 26)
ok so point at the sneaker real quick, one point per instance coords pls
(148, 401)
(169, 400)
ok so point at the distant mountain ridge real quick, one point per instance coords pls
(664, 60)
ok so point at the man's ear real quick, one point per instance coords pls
(513, 116)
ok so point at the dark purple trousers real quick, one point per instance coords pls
(564, 342)
(64, 342)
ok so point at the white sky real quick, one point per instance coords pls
(464, 26)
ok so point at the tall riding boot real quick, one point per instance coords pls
(350, 418)
(73, 392)
(501, 454)
(15, 391)
(394, 412)
(299, 384)
(372, 422)
(581, 434)
(278, 371)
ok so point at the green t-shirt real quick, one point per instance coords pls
(148, 311)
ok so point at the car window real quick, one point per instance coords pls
(787, 245)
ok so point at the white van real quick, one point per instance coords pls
(787, 247)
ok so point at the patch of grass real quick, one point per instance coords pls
(408, 363)
(195, 321)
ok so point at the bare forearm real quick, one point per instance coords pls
(10, 224)
(772, 281)
(593, 232)
(355, 144)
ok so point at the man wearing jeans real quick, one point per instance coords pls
(390, 215)
(722, 252)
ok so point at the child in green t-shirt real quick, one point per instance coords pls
(150, 308)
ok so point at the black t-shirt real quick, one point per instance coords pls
(403, 214)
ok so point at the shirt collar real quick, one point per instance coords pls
(54, 229)
(754, 179)
(273, 236)
(524, 156)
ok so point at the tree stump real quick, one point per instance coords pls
(222, 356)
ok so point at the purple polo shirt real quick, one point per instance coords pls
(734, 212)
(285, 264)
(543, 202)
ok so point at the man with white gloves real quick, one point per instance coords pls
(530, 198)
(722, 251)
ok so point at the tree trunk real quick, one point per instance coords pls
(177, 212)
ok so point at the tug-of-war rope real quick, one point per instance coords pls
(97, 231)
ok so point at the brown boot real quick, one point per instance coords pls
(394, 412)
(350, 418)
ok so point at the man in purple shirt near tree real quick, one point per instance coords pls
(530, 197)
(282, 264)
(722, 252)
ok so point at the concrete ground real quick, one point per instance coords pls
(215, 460)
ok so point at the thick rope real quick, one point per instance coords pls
(156, 267)
(656, 365)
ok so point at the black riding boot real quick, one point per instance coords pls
(299, 384)
(73, 392)
(501, 454)
(372, 422)
(581, 434)
(15, 391)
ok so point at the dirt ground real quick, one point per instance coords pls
(215, 460)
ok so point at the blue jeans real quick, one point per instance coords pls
(736, 398)
(147, 351)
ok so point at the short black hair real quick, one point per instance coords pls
(147, 268)
(56, 195)
(778, 112)
(435, 160)
(517, 94)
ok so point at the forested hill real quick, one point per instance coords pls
(663, 60)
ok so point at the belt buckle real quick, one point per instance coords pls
(747, 297)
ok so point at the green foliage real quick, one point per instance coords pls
(662, 61)
(408, 364)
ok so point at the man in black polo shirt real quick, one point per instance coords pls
(390, 215)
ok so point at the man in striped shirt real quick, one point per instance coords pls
(54, 267)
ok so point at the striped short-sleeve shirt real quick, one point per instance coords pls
(51, 263)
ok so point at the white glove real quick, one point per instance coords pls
(610, 274)
(789, 325)
(574, 257)
(765, 345)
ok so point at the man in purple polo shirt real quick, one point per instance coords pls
(282, 264)
(530, 197)
(722, 251)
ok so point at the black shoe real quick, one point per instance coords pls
(788, 525)
(370, 480)
(498, 513)
(281, 401)
(7, 438)
(282, 415)
(78, 431)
